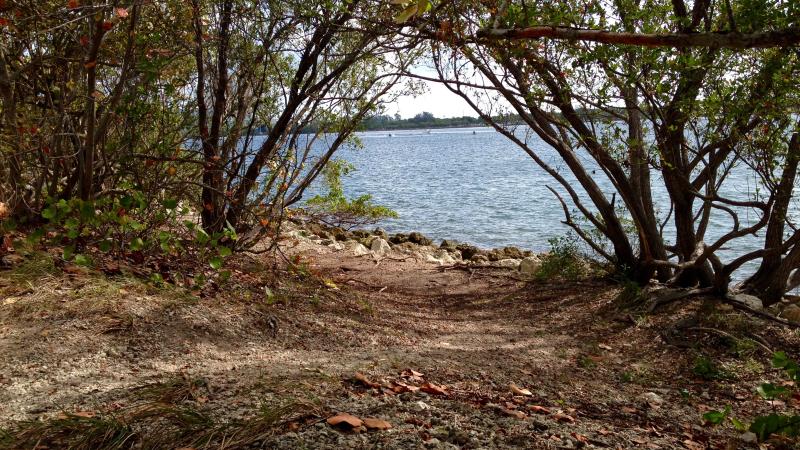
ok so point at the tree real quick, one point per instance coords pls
(288, 65)
(685, 120)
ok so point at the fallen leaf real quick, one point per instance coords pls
(628, 410)
(563, 418)
(604, 346)
(433, 389)
(539, 409)
(344, 420)
(401, 387)
(376, 424)
(513, 413)
(692, 445)
(361, 378)
(518, 391)
(580, 437)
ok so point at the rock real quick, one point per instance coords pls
(467, 251)
(749, 300)
(380, 247)
(507, 263)
(356, 248)
(513, 253)
(398, 238)
(408, 247)
(432, 442)
(341, 235)
(419, 239)
(530, 265)
(337, 246)
(448, 245)
(440, 257)
(652, 399)
(748, 438)
(380, 232)
(479, 259)
(791, 312)
(361, 234)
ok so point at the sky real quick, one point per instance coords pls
(438, 100)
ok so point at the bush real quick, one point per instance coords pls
(335, 209)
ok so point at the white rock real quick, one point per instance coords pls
(380, 247)
(530, 265)
(356, 248)
(507, 263)
(749, 438)
(652, 399)
(749, 300)
(338, 246)
(440, 257)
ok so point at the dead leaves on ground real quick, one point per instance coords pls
(349, 422)
(408, 380)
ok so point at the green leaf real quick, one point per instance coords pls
(224, 251)
(215, 262)
(765, 426)
(137, 244)
(406, 14)
(769, 391)
(170, 203)
(717, 417)
(104, 246)
(68, 252)
(738, 424)
(49, 213)
(82, 260)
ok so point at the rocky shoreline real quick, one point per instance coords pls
(379, 244)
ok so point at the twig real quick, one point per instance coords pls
(741, 306)
(728, 335)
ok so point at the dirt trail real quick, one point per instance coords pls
(596, 378)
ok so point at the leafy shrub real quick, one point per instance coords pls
(129, 226)
(563, 260)
(334, 208)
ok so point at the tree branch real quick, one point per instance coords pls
(785, 37)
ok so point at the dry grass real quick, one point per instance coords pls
(167, 415)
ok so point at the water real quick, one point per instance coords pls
(474, 185)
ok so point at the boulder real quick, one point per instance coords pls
(380, 232)
(530, 265)
(749, 300)
(507, 263)
(791, 312)
(513, 253)
(479, 258)
(341, 235)
(440, 257)
(419, 239)
(467, 251)
(399, 238)
(449, 245)
(356, 248)
(380, 247)
(361, 234)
